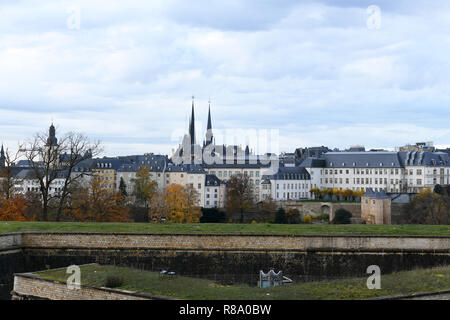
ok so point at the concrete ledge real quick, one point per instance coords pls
(414, 295)
(224, 234)
(220, 242)
(254, 250)
(32, 286)
(253, 242)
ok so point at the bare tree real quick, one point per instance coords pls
(239, 195)
(6, 173)
(51, 159)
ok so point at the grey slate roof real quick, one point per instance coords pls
(313, 163)
(23, 163)
(211, 180)
(289, 173)
(84, 166)
(376, 195)
(189, 168)
(30, 174)
(422, 158)
(362, 160)
(377, 160)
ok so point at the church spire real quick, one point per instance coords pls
(51, 140)
(209, 134)
(2, 157)
(209, 127)
(192, 124)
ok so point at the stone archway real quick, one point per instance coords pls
(325, 209)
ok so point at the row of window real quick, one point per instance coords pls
(293, 186)
(293, 195)
(361, 171)
(229, 173)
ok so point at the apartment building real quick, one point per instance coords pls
(391, 172)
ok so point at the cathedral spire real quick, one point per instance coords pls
(192, 124)
(209, 127)
(2, 157)
(209, 134)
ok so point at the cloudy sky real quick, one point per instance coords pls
(334, 73)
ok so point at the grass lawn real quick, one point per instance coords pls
(228, 228)
(400, 283)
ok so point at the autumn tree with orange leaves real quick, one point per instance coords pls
(97, 204)
(181, 204)
(13, 209)
(13, 206)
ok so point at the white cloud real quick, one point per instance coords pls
(310, 69)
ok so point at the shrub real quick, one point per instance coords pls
(280, 216)
(293, 216)
(307, 219)
(342, 216)
(254, 222)
(212, 215)
(113, 281)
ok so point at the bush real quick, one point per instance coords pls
(307, 219)
(212, 215)
(342, 216)
(280, 216)
(113, 281)
(254, 222)
(293, 216)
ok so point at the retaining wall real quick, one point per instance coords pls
(226, 258)
(32, 287)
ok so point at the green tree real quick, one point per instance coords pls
(342, 216)
(293, 216)
(123, 188)
(280, 217)
(438, 189)
(144, 187)
(427, 207)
